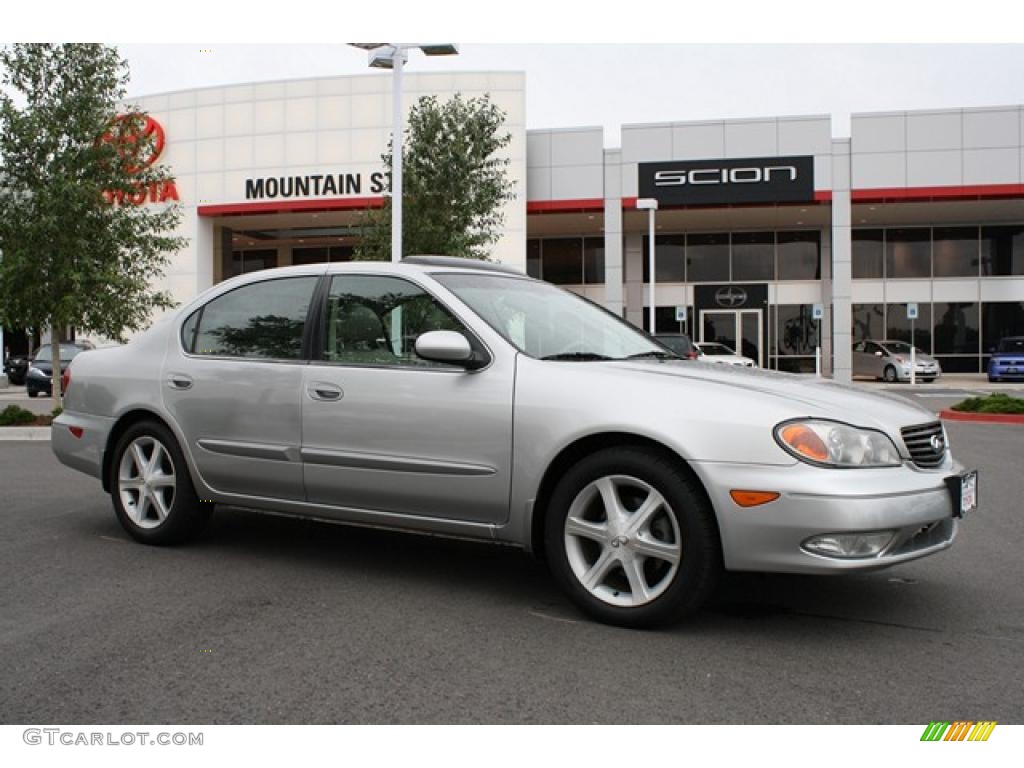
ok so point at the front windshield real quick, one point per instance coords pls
(901, 348)
(67, 351)
(1013, 346)
(546, 322)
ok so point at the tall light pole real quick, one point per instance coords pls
(393, 56)
(650, 205)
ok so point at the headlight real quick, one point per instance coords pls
(834, 444)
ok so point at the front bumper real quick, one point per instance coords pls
(914, 503)
(1000, 369)
(83, 452)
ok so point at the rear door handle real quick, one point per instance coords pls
(179, 381)
(318, 390)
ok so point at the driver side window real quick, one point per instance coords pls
(373, 320)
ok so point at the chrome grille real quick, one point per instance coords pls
(918, 440)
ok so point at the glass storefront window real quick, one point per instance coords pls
(999, 319)
(897, 326)
(563, 260)
(956, 328)
(669, 260)
(868, 254)
(799, 256)
(797, 330)
(868, 321)
(753, 256)
(322, 254)
(243, 262)
(908, 253)
(955, 251)
(1002, 250)
(533, 259)
(707, 258)
(593, 260)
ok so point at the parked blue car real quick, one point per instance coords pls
(1007, 361)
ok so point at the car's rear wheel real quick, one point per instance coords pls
(889, 374)
(32, 392)
(151, 488)
(632, 539)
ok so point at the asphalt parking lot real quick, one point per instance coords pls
(270, 620)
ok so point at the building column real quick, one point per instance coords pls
(842, 250)
(614, 283)
(206, 250)
(633, 259)
(825, 332)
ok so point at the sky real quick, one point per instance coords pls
(612, 84)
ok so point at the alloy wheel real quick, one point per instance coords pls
(622, 541)
(146, 481)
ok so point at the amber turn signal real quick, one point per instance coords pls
(804, 441)
(753, 498)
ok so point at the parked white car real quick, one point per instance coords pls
(713, 352)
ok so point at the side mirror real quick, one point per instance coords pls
(448, 347)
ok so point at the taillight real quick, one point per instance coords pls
(65, 381)
(692, 355)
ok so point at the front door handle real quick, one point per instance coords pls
(179, 381)
(318, 390)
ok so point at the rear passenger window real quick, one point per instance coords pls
(261, 320)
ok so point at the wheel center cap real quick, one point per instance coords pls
(619, 541)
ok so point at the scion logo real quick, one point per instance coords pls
(960, 730)
(752, 175)
(138, 139)
(730, 297)
(727, 181)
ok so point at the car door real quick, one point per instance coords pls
(384, 430)
(234, 386)
(860, 362)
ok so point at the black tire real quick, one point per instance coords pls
(889, 374)
(32, 392)
(186, 515)
(699, 566)
(993, 379)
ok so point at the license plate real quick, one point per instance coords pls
(964, 490)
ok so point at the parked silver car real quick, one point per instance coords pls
(890, 360)
(462, 398)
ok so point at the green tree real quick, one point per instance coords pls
(73, 250)
(454, 186)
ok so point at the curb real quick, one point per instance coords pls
(24, 433)
(983, 418)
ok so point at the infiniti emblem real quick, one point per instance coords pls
(619, 541)
(938, 444)
(730, 296)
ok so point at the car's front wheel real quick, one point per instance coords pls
(632, 539)
(889, 374)
(151, 488)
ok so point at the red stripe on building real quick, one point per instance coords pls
(585, 205)
(292, 206)
(928, 194)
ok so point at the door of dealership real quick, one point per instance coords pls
(739, 329)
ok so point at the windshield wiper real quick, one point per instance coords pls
(576, 356)
(653, 353)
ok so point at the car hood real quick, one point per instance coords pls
(728, 358)
(804, 395)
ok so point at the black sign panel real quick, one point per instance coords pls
(723, 182)
(731, 296)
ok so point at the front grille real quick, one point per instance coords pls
(918, 440)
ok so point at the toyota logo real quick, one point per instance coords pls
(938, 444)
(730, 296)
(138, 139)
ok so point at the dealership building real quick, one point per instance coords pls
(760, 221)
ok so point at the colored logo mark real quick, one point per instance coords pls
(959, 730)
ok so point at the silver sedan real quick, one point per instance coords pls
(461, 398)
